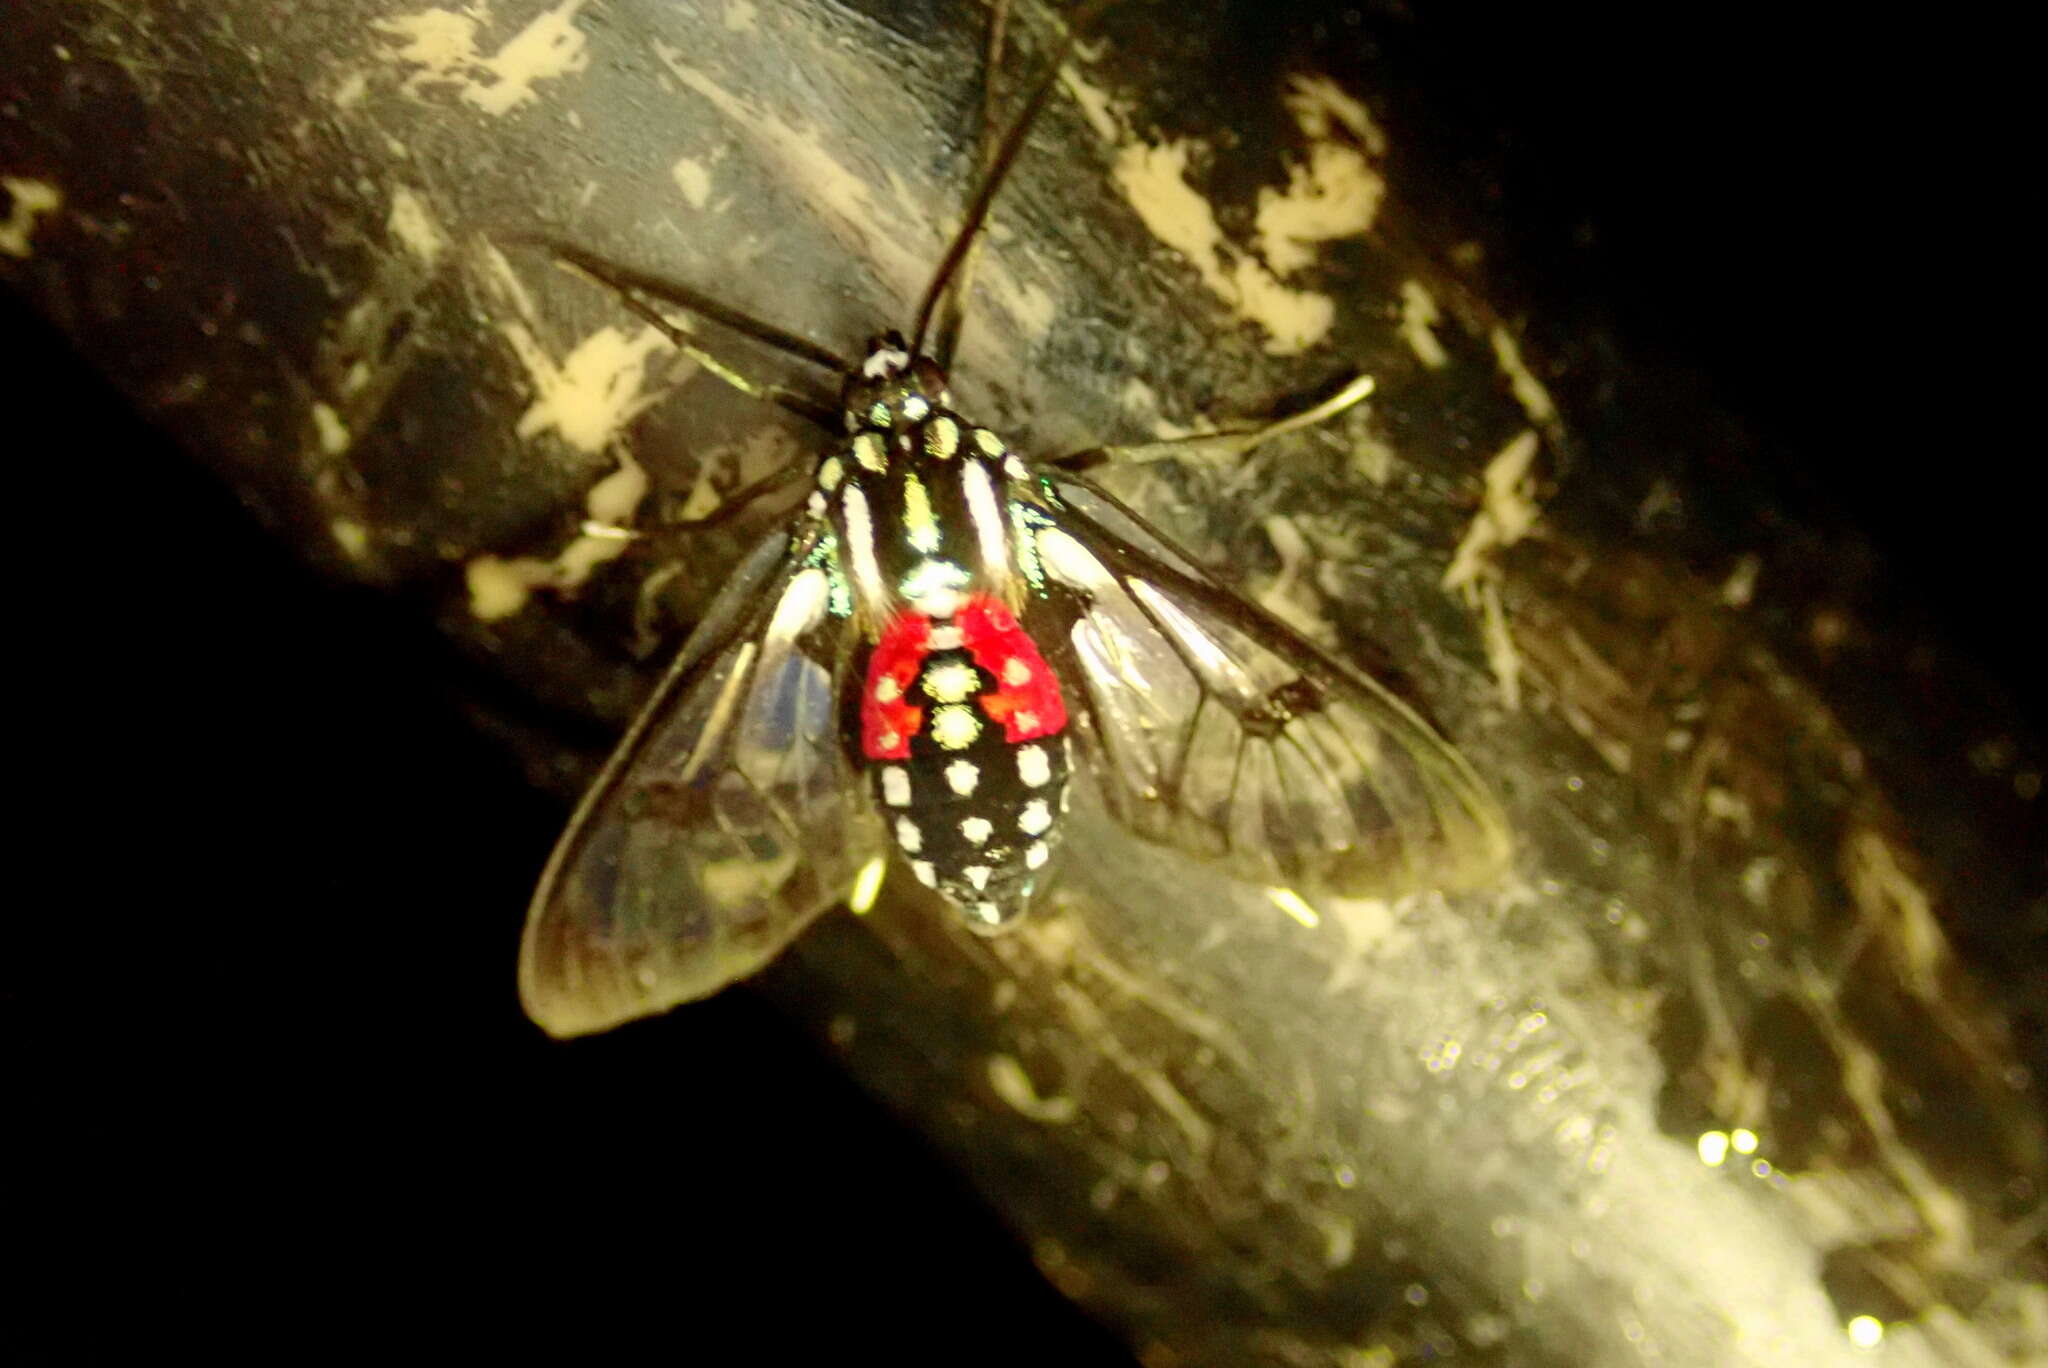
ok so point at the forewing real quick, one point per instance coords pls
(726, 821)
(1216, 729)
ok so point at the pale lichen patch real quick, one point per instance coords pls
(412, 225)
(759, 453)
(1291, 595)
(1326, 196)
(499, 276)
(1740, 586)
(351, 90)
(1899, 910)
(1501, 656)
(693, 178)
(587, 399)
(612, 501)
(351, 536)
(1419, 317)
(1141, 402)
(1340, 1236)
(1335, 193)
(1029, 307)
(1008, 1080)
(1528, 390)
(1372, 456)
(1322, 108)
(1095, 106)
(1154, 182)
(845, 197)
(442, 45)
(29, 200)
(331, 432)
(1508, 512)
(1944, 1216)
(594, 392)
(500, 586)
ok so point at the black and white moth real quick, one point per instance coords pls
(922, 663)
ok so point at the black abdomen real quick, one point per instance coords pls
(976, 814)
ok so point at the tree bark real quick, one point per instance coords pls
(1699, 1081)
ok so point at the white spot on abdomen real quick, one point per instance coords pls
(950, 682)
(955, 726)
(1033, 766)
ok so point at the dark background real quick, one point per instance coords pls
(258, 969)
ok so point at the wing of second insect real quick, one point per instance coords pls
(1214, 728)
(725, 822)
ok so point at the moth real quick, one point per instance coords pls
(924, 663)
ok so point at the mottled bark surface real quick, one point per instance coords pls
(1699, 1081)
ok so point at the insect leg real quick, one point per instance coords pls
(737, 502)
(1230, 442)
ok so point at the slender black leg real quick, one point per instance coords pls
(739, 500)
(728, 510)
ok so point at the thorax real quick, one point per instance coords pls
(926, 512)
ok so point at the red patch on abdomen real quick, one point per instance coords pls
(1025, 701)
(887, 721)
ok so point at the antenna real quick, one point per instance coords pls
(626, 282)
(632, 289)
(952, 312)
(957, 252)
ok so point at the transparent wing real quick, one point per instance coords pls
(1217, 730)
(726, 821)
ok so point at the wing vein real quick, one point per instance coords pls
(1308, 770)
